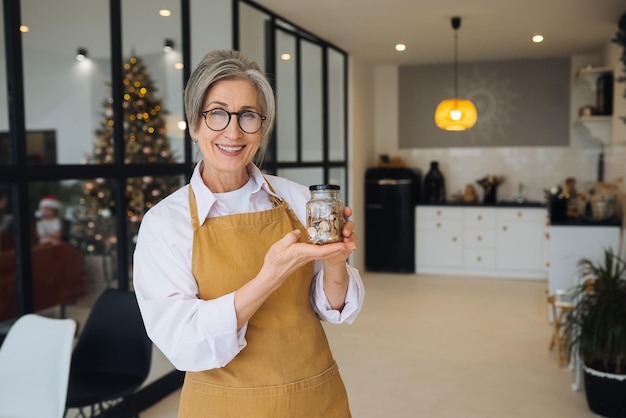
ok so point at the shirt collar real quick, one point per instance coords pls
(205, 199)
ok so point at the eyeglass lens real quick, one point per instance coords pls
(218, 119)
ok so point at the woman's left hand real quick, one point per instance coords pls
(349, 238)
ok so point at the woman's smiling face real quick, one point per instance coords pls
(226, 153)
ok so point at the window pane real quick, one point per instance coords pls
(252, 33)
(57, 263)
(61, 94)
(90, 209)
(336, 106)
(311, 102)
(286, 133)
(142, 193)
(8, 306)
(153, 83)
(337, 175)
(5, 146)
(305, 176)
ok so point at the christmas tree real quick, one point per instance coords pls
(145, 142)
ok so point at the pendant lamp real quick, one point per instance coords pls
(456, 114)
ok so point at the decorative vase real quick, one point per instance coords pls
(605, 393)
(434, 185)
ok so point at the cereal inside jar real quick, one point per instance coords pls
(324, 213)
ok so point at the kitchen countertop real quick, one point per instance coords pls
(501, 204)
(586, 222)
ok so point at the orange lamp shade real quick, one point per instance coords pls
(455, 114)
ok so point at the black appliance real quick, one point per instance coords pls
(390, 198)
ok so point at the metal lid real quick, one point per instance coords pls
(324, 187)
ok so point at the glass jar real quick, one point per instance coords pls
(324, 214)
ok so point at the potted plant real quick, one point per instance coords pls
(597, 327)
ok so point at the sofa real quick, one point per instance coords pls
(57, 274)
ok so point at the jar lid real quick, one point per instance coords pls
(324, 187)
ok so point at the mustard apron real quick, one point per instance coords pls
(287, 369)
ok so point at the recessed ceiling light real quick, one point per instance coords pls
(400, 47)
(24, 28)
(285, 57)
(179, 66)
(165, 12)
(537, 38)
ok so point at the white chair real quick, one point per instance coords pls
(34, 367)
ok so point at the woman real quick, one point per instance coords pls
(228, 287)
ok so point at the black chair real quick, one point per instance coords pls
(112, 356)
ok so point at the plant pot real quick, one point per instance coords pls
(605, 393)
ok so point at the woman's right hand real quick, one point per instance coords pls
(283, 258)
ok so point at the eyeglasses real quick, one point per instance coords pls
(218, 119)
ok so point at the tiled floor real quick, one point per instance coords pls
(448, 347)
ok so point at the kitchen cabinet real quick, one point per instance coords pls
(521, 237)
(439, 237)
(481, 241)
(569, 244)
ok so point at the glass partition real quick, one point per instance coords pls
(153, 81)
(5, 146)
(336, 106)
(142, 193)
(286, 97)
(311, 102)
(61, 91)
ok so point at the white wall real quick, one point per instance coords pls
(361, 125)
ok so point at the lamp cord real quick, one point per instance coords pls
(456, 63)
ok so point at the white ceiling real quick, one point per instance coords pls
(490, 29)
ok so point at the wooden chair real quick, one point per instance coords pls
(559, 342)
(561, 304)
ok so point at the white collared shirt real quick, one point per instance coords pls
(196, 334)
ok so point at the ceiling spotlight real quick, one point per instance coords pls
(537, 39)
(285, 57)
(400, 47)
(168, 45)
(81, 54)
(24, 28)
(165, 12)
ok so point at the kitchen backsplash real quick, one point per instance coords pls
(537, 168)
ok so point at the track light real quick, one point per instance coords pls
(169, 45)
(81, 54)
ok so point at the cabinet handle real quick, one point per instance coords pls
(438, 224)
(547, 264)
(438, 213)
(453, 239)
(479, 259)
(504, 228)
(519, 214)
(547, 235)
(480, 217)
(479, 238)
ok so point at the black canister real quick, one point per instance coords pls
(604, 94)
(434, 185)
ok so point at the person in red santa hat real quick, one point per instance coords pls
(49, 224)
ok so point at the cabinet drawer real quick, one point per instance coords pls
(429, 224)
(475, 258)
(479, 217)
(519, 214)
(439, 212)
(479, 238)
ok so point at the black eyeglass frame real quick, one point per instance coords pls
(230, 116)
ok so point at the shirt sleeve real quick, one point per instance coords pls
(193, 334)
(354, 298)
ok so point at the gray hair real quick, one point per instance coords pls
(225, 64)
